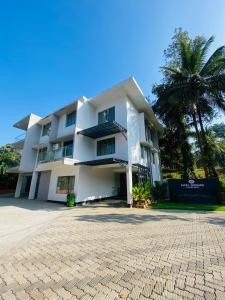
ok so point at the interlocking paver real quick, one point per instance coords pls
(118, 253)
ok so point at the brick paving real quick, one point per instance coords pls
(119, 253)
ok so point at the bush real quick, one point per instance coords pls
(158, 191)
(71, 200)
(222, 184)
(141, 192)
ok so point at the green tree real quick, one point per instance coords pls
(219, 130)
(8, 158)
(193, 86)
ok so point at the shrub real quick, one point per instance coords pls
(158, 191)
(71, 200)
(222, 184)
(141, 192)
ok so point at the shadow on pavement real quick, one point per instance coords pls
(127, 218)
(32, 204)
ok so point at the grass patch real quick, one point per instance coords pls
(183, 206)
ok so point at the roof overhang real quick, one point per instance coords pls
(23, 123)
(45, 120)
(102, 130)
(101, 162)
(69, 107)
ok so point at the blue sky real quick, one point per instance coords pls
(54, 51)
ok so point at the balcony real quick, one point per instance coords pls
(19, 141)
(55, 155)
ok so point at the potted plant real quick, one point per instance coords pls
(71, 200)
(141, 194)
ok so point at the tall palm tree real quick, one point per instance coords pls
(197, 86)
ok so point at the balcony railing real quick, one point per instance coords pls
(19, 138)
(47, 156)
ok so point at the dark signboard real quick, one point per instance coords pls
(194, 190)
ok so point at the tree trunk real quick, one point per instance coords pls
(200, 144)
(187, 158)
(210, 163)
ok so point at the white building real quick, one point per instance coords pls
(96, 148)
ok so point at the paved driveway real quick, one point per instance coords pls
(117, 253)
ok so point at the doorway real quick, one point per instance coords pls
(26, 185)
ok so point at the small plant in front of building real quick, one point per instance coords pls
(141, 194)
(71, 200)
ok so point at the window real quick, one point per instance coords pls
(142, 152)
(65, 184)
(46, 129)
(70, 119)
(42, 154)
(153, 158)
(148, 132)
(68, 149)
(106, 146)
(106, 115)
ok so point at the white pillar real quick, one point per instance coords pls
(129, 184)
(19, 186)
(33, 185)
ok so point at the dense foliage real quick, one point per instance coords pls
(8, 158)
(192, 90)
(219, 130)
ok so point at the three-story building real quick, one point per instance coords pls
(96, 148)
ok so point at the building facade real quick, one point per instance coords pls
(96, 148)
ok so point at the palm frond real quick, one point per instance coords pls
(211, 65)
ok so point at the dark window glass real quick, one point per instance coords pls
(68, 149)
(70, 119)
(106, 115)
(142, 152)
(46, 129)
(65, 184)
(153, 158)
(106, 146)
(148, 133)
(42, 154)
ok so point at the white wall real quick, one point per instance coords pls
(43, 139)
(56, 172)
(120, 147)
(142, 127)
(156, 169)
(87, 116)
(133, 133)
(28, 158)
(120, 110)
(94, 183)
(62, 129)
(84, 146)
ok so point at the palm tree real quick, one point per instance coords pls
(196, 86)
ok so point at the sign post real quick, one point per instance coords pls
(204, 191)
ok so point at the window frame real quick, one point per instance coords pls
(103, 152)
(46, 132)
(107, 118)
(67, 189)
(69, 123)
(42, 153)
